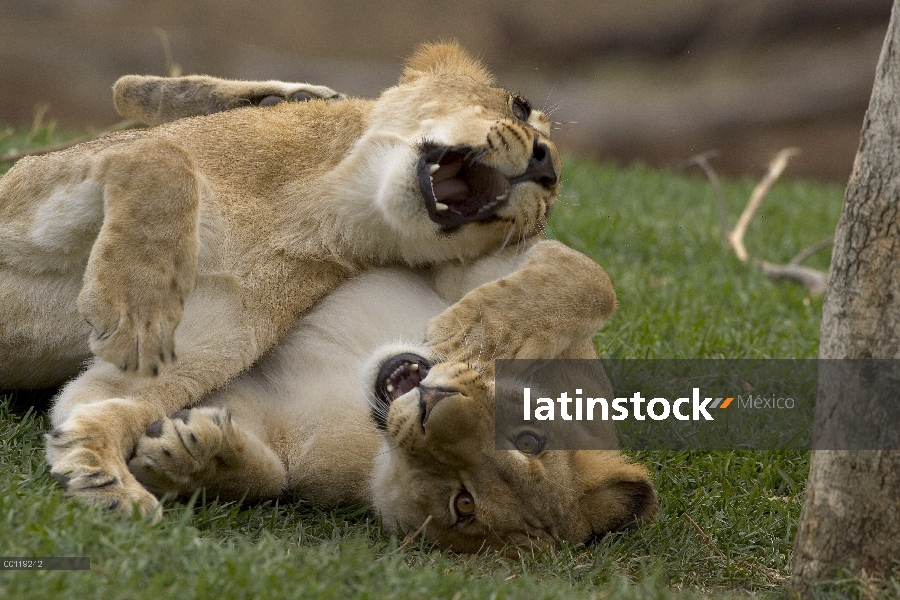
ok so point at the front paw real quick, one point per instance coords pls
(95, 479)
(133, 322)
(489, 326)
(175, 453)
(458, 334)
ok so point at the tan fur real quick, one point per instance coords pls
(299, 423)
(204, 239)
(157, 100)
(209, 236)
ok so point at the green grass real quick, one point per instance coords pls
(681, 295)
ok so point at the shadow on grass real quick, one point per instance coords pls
(21, 400)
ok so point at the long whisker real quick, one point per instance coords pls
(544, 109)
(555, 125)
(390, 449)
(511, 228)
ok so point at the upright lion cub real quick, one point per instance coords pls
(235, 223)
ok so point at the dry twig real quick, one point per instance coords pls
(173, 69)
(813, 280)
(776, 168)
(704, 536)
(810, 250)
(409, 539)
(702, 161)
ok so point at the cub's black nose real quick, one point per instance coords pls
(540, 167)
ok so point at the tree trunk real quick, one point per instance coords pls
(851, 512)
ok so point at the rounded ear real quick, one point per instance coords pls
(617, 492)
(444, 59)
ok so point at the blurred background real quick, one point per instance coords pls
(650, 80)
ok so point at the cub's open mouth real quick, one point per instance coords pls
(457, 189)
(397, 376)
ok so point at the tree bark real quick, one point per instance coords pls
(851, 512)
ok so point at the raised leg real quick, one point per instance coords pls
(155, 100)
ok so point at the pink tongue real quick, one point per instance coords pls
(451, 190)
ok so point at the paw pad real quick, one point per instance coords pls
(184, 415)
(155, 429)
(270, 100)
(62, 480)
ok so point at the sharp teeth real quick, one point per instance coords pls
(414, 367)
(389, 388)
(489, 206)
(503, 196)
(432, 169)
(440, 206)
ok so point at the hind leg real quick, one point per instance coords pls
(205, 448)
(155, 100)
(99, 417)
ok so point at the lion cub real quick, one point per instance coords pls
(350, 407)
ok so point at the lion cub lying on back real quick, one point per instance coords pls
(335, 415)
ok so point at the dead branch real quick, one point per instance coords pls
(37, 123)
(805, 253)
(776, 168)
(14, 156)
(173, 69)
(409, 539)
(813, 280)
(702, 161)
(711, 543)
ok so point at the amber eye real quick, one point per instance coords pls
(528, 442)
(464, 504)
(520, 108)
